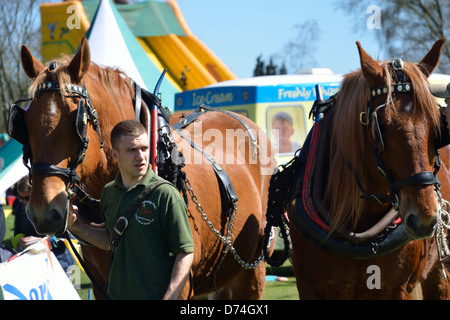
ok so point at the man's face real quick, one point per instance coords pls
(132, 155)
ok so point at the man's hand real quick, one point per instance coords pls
(93, 233)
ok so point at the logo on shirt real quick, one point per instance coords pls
(144, 214)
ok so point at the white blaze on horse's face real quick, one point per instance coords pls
(52, 107)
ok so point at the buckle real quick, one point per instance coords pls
(121, 225)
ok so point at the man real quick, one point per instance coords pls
(443, 91)
(154, 257)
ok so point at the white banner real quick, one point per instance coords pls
(36, 275)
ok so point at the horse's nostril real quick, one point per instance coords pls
(53, 222)
(411, 222)
(418, 229)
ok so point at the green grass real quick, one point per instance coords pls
(9, 228)
(274, 290)
(280, 290)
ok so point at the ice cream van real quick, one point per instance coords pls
(278, 104)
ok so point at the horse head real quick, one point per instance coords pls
(56, 124)
(403, 122)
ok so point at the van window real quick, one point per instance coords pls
(286, 127)
(242, 112)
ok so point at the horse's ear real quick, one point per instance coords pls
(80, 62)
(372, 71)
(30, 64)
(431, 60)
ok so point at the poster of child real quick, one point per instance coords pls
(283, 130)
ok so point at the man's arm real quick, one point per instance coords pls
(179, 276)
(96, 234)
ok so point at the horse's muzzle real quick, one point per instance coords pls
(417, 228)
(52, 221)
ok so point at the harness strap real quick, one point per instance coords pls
(421, 178)
(137, 101)
(42, 168)
(224, 179)
(204, 108)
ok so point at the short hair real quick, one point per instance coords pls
(23, 185)
(126, 128)
(284, 116)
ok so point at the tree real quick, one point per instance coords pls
(261, 69)
(298, 52)
(20, 25)
(407, 29)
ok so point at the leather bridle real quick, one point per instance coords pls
(86, 113)
(369, 118)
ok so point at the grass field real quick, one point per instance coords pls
(274, 290)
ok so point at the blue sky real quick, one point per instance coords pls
(238, 31)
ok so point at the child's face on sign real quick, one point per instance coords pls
(282, 130)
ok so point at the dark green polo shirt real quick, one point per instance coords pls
(157, 231)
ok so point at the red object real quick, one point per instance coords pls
(154, 139)
(10, 200)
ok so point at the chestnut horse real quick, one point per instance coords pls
(54, 144)
(382, 135)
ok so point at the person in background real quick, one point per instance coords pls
(443, 91)
(25, 232)
(5, 251)
(23, 226)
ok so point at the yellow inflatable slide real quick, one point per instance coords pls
(159, 27)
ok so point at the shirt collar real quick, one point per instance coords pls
(144, 181)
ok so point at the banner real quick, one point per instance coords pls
(35, 274)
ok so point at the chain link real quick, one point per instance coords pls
(441, 232)
(228, 239)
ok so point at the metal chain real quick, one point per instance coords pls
(229, 238)
(441, 232)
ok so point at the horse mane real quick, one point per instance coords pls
(349, 146)
(107, 76)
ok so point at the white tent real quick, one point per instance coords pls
(13, 168)
(113, 44)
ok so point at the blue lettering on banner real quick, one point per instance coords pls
(239, 95)
(39, 293)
